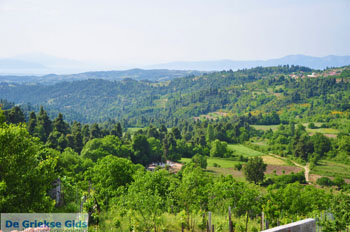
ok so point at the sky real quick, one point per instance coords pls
(158, 31)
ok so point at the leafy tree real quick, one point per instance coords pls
(101, 147)
(218, 148)
(155, 149)
(210, 133)
(109, 174)
(340, 207)
(192, 193)
(324, 181)
(321, 144)
(254, 170)
(339, 182)
(25, 175)
(293, 201)
(146, 199)
(142, 150)
(200, 160)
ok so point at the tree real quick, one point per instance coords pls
(32, 123)
(95, 131)
(324, 181)
(109, 174)
(142, 150)
(101, 147)
(25, 175)
(146, 199)
(44, 124)
(210, 133)
(339, 182)
(176, 132)
(191, 195)
(155, 149)
(85, 133)
(15, 115)
(200, 160)
(2, 116)
(117, 130)
(60, 125)
(218, 148)
(77, 137)
(321, 143)
(254, 170)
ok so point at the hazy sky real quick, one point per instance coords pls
(157, 31)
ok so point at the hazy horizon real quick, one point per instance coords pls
(138, 33)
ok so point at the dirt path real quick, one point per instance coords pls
(306, 167)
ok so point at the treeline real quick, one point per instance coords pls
(190, 137)
(294, 140)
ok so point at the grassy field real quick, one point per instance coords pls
(224, 163)
(265, 127)
(318, 130)
(134, 129)
(323, 130)
(331, 169)
(240, 149)
(274, 161)
(226, 167)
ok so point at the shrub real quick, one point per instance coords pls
(216, 165)
(312, 125)
(238, 167)
(324, 181)
(339, 182)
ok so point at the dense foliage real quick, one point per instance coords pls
(105, 164)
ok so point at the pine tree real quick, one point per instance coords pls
(45, 122)
(77, 137)
(85, 133)
(60, 125)
(95, 131)
(32, 123)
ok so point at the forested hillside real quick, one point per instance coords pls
(226, 139)
(288, 90)
(136, 74)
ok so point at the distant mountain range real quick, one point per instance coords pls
(27, 68)
(302, 60)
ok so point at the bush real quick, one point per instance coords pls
(216, 165)
(238, 167)
(312, 125)
(324, 181)
(339, 182)
(200, 160)
(283, 180)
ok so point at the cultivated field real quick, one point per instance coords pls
(240, 149)
(331, 169)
